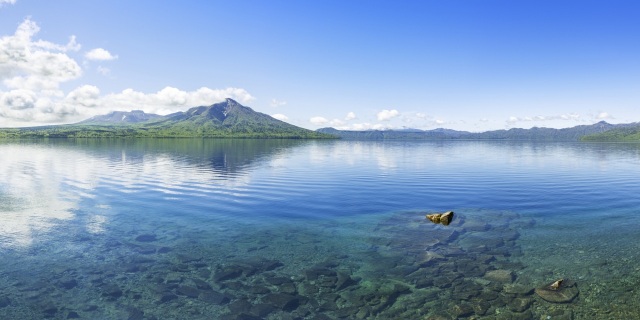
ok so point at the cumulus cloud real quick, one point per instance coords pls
(567, 116)
(603, 116)
(318, 120)
(386, 115)
(280, 117)
(100, 54)
(277, 103)
(366, 126)
(170, 99)
(3, 2)
(350, 116)
(32, 72)
(35, 65)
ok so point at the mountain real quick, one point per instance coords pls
(227, 119)
(548, 134)
(576, 133)
(630, 132)
(121, 117)
(402, 134)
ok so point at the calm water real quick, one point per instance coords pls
(270, 229)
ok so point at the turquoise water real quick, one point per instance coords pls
(271, 229)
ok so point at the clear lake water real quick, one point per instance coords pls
(294, 229)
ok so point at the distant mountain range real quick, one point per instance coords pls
(601, 131)
(227, 119)
(121, 117)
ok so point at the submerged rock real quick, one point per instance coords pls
(504, 276)
(146, 238)
(282, 301)
(560, 291)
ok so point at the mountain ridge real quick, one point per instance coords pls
(121, 117)
(576, 133)
(227, 119)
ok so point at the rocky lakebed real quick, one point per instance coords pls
(402, 266)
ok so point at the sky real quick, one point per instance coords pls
(465, 65)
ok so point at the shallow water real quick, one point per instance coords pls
(272, 229)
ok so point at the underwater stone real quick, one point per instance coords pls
(520, 304)
(315, 273)
(276, 281)
(163, 250)
(202, 285)
(186, 257)
(68, 283)
(258, 289)
(344, 281)
(111, 290)
(240, 306)
(423, 283)
(49, 310)
(4, 302)
(262, 310)
(204, 273)
(214, 297)
(188, 291)
(285, 302)
(146, 238)
(475, 225)
(288, 287)
(480, 307)
(504, 276)
(561, 291)
(227, 274)
(135, 314)
(461, 310)
(73, 315)
(428, 257)
(517, 289)
(347, 312)
(168, 297)
(508, 315)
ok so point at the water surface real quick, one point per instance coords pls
(282, 229)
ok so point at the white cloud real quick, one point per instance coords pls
(318, 120)
(170, 99)
(2, 2)
(365, 126)
(33, 70)
(336, 122)
(103, 71)
(277, 103)
(604, 115)
(100, 54)
(35, 65)
(386, 115)
(86, 96)
(539, 118)
(280, 117)
(350, 116)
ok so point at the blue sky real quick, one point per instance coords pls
(468, 65)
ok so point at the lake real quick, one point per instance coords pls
(293, 229)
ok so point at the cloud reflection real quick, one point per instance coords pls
(42, 184)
